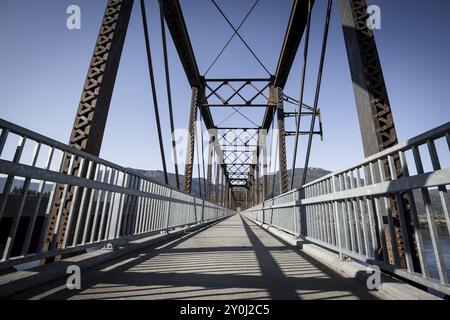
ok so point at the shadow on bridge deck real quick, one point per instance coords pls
(233, 259)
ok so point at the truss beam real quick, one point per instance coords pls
(374, 111)
(90, 120)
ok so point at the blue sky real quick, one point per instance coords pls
(43, 66)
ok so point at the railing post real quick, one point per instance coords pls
(166, 224)
(296, 213)
(338, 217)
(117, 205)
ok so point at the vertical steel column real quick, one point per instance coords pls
(257, 198)
(189, 164)
(246, 199)
(263, 143)
(226, 192)
(254, 185)
(216, 184)
(281, 141)
(222, 193)
(250, 187)
(90, 120)
(228, 204)
(374, 111)
(209, 170)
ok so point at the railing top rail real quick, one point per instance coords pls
(282, 195)
(29, 134)
(435, 133)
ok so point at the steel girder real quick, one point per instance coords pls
(189, 164)
(173, 16)
(374, 111)
(237, 92)
(372, 101)
(293, 36)
(209, 170)
(294, 33)
(177, 27)
(263, 145)
(281, 141)
(90, 120)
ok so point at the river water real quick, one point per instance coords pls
(445, 246)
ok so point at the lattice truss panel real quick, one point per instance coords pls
(239, 148)
(237, 92)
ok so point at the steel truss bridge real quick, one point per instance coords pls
(68, 206)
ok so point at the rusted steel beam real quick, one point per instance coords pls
(90, 120)
(293, 36)
(209, 170)
(294, 33)
(189, 163)
(281, 141)
(173, 16)
(265, 166)
(374, 110)
(177, 27)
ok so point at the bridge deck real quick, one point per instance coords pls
(233, 259)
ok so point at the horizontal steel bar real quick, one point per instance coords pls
(21, 131)
(238, 80)
(433, 134)
(426, 180)
(238, 105)
(302, 133)
(26, 171)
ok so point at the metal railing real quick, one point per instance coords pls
(116, 206)
(351, 211)
(281, 212)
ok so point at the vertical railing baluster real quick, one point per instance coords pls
(114, 195)
(443, 194)
(100, 199)
(349, 214)
(354, 204)
(401, 216)
(72, 205)
(3, 138)
(437, 249)
(362, 211)
(415, 221)
(83, 206)
(388, 210)
(16, 219)
(93, 194)
(10, 179)
(106, 206)
(379, 215)
(371, 216)
(34, 214)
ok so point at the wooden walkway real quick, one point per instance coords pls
(233, 259)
